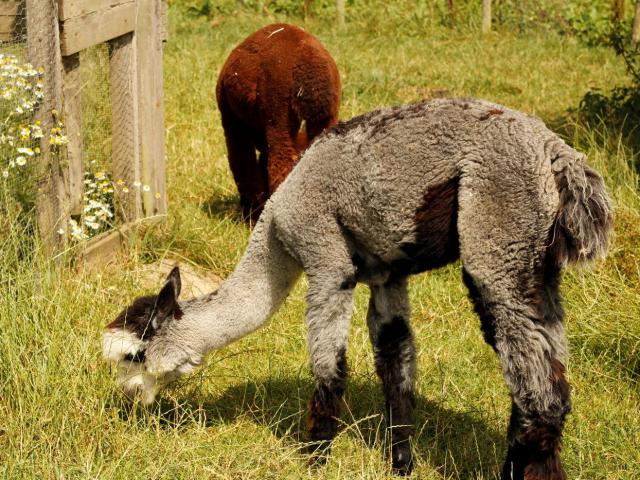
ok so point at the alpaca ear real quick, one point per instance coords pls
(174, 279)
(168, 297)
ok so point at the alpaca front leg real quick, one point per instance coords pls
(394, 352)
(328, 318)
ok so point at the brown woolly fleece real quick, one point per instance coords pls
(276, 79)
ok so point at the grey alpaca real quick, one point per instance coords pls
(388, 194)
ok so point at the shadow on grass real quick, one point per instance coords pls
(227, 207)
(618, 354)
(448, 440)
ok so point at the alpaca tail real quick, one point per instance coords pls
(584, 220)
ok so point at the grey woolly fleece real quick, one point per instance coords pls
(367, 180)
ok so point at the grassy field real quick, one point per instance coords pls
(243, 414)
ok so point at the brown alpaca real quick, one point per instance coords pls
(276, 79)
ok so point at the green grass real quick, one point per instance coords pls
(243, 414)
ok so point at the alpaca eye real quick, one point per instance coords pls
(137, 357)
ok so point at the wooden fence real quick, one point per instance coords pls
(56, 31)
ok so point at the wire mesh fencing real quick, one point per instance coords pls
(21, 90)
(81, 126)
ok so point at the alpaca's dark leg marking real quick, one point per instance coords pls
(535, 437)
(394, 353)
(487, 321)
(324, 409)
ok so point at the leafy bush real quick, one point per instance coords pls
(620, 107)
(590, 21)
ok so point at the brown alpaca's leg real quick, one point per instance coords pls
(282, 154)
(245, 167)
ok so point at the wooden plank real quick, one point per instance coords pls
(486, 16)
(123, 82)
(340, 12)
(11, 20)
(78, 33)
(7, 25)
(79, 8)
(43, 46)
(11, 9)
(106, 247)
(151, 105)
(72, 110)
(164, 20)
(635, 32)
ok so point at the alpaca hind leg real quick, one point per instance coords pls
(328, 317)
(244, 165)
(504, 217)
(531, 346)
(316, 126)
(283, 155)
(394, 353)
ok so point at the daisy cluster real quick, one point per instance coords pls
(98, 204)
(21, 89)
(97, 214)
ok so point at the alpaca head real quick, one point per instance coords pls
(136, 342)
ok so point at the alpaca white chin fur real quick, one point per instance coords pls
(136, 382)
(133, 377)
(117, 344)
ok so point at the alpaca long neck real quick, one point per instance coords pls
(248, 298)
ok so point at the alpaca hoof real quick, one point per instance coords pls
(402, 460)
(251, 215)
(520, 465)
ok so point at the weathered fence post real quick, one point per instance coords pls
(618, 10)
(635, 34)
(125, 140)
(486, 16)
(43, 46)
(149, 43)
(340, 12)
(72, 110)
